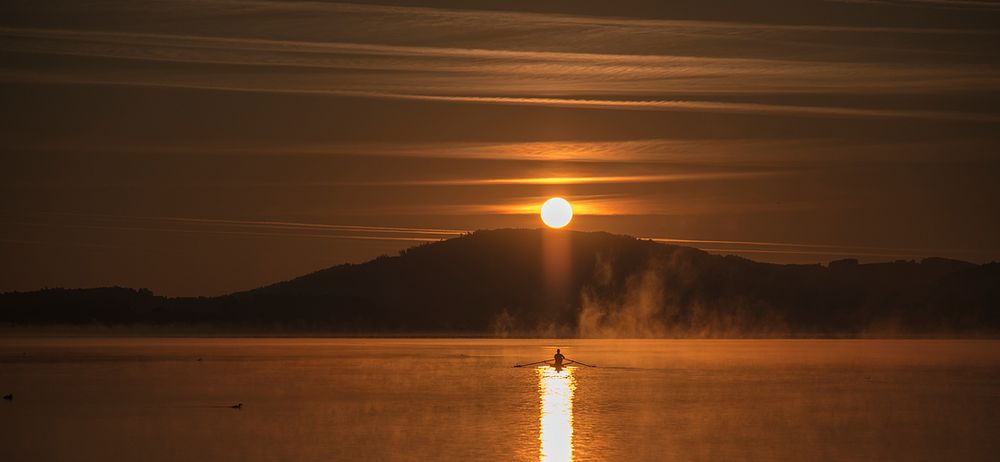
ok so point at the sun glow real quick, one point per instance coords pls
(557, 212)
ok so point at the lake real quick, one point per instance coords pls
(100, 399)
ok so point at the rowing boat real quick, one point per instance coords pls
(554, 364)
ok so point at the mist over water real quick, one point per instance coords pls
(637, 314)
(405, 399)
(643, 308)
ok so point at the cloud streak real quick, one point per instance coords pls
(955, 4)
(743, 246)
(580, 180)
(594, 104)
(512, 58)
(265, 228)
(262, 228)
(579, 72)
(235, 233)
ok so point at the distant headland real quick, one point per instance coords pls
(519, 282)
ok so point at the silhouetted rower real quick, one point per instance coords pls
(558, 358)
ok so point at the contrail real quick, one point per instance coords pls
(818, 252)
(278, 224)
(236, 233)
(904, 251)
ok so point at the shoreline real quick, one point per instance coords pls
(10, 332)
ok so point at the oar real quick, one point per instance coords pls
(578, 362)
(532, 364)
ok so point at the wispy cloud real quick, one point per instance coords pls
(513, 58)
(956, 4)
(235, 233)
(714, 106)
(579, 180)
(262, 228)
(305, 226)
(644, 105)
(642, 152)
(476, 70)
(819, 253)
(285, 229)
(743, 246)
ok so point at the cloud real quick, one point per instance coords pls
(577, 180)
(631, 105)
(951, 4)
(796, 248)
(260, 228)
(435, 70)
(510, 58)
(715, 106)
(644, 153)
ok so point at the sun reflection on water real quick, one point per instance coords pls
(555, 393)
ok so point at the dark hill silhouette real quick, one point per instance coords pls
(498, 282)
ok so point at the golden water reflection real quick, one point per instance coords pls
(555, 393)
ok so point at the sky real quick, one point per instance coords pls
(204, 147)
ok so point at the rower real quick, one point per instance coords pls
(558, 358)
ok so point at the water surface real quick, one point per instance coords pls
(362, 399)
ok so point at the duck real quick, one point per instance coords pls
(237, 406)
(9, 397)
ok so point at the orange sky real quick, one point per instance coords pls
(204, 147)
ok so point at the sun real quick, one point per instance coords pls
(557, 212)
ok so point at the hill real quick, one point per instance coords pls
(565, 283)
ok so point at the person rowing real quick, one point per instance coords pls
(558, 361)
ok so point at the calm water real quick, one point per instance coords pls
(313, 399)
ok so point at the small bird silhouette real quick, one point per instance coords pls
(237, 406)
(9, 397)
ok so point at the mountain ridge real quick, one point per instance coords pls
(566, 283)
